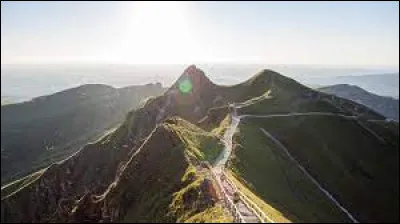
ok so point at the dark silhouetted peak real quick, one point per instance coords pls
(387, 106)
(346, 87)
(275, 81)
(267, 74)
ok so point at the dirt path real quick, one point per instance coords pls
(246, 213)
(240, 210)
(308, 175)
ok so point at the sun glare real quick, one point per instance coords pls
(159, 32)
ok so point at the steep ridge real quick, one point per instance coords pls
(94, 168)
(49, 128)
(132, 190)
(123, 176)
(273, 93)
(162, 181)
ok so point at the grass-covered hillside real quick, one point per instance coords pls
(46, 129)
(155, 166)
(358, 169)
(165, 180)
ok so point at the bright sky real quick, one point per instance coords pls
(318, 33)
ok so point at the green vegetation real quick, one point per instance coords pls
(388, 130)
(177, 196)
(17, 185)
(179, 188)
(274, 178)
(271, 212)
(203, 145)
(220, 130)
(180, 200)
(62, 122)
(215, 214)
(337, 152)
(146, 171)
(256, 86)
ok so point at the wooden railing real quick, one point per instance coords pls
(249, 203)
(237, 217)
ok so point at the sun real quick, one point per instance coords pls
(159, 32)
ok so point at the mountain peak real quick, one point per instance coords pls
(274, 81)
(192, 80)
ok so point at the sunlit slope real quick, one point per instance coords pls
(351, 163)
(152, 167)
(164, 181)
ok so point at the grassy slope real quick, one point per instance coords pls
(265, 170)
(280, 188)
(188, 203)
(55, 126)
(271, 212)
(161, 183)
(269, 92)
(49, 157)
(340, 155)
(19, 184)
(282, 185)
(204, 145)
(388, 130)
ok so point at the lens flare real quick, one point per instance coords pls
(185, 86)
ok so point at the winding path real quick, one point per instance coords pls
(245, 210)
(355, 118)
(276, 141)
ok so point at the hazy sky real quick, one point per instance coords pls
(330, 33)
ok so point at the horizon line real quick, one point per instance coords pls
(336, 66)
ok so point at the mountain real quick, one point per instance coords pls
(163, 163)
(380, 84)
(46, 129)
(387, 106)
(8, 100)
(5, 101)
